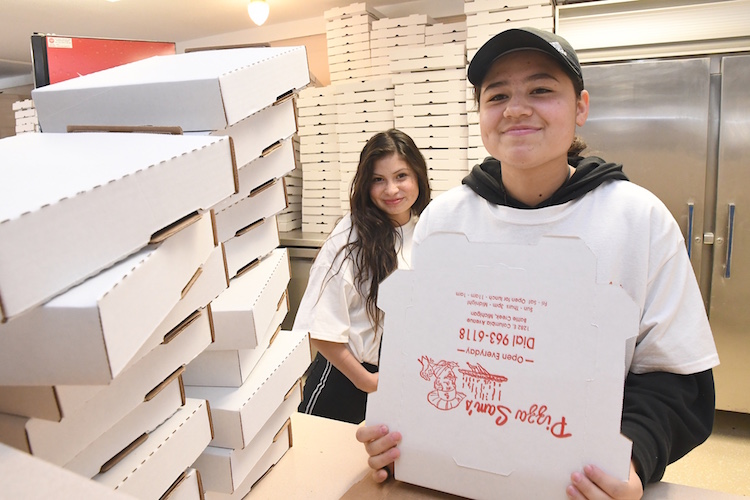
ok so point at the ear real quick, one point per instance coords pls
(582, 108)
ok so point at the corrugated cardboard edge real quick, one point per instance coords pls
(142, 129)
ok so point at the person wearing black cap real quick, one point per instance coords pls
(529, 89)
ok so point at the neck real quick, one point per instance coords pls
(533, 186)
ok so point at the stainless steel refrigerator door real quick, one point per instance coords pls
(653, 117)
(730, 286)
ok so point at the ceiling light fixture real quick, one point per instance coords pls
(258, 11)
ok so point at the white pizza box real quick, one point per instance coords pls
(59, 442)
(158, 405)
(355, 20)
(528, 349)
(425, 54)
(381, 117)
(243, 313)
(517, 14)
(352, 75)
(189, 486)
(455, 122)
(315, 210)
(318, 129)
(257, 240)
(349, 56)
(102, 198)
(56, 402)
(482, 6)
(276, 161)
(350, 65)
(252, 136)
(443, 75)
(317, 110)
(371, 128)
(239, 413)
(400, 41)
(430, 109)
(458, 141)
(232, 367)
(262, 203)
(332, 33)
(396, 22)
(321, 172)
(451, 176)
(367, 105)
(281, 444)
(347, 40)
(452, 154)
(318, 145)
(224, 470)
(397, 32)
(446, 28)
(351, 10)
(88, 334)
(150, 469)
(197, 91)
(366, 94)
(318, 227)
(456, 86)
(434, 98)
(445, 38)
(420, 133)
(30, 478)
(446, 61)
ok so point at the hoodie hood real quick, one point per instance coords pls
(486, 180)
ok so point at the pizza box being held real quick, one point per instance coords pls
(88, 334)
(59, 442)
(518, 381)
(243, 313)
(150, 469)
(238, 414)
(224, 469)
(197, 91)
(74, 204)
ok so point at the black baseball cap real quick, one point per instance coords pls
(520, 39)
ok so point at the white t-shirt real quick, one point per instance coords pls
(332, 309)
(637, 244)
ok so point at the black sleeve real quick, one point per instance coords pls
(666, 415)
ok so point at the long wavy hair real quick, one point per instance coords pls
(373, 251)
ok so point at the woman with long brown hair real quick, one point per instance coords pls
(339, 308)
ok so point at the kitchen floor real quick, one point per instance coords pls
(722, 463)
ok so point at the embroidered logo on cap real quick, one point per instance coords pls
(559, 48)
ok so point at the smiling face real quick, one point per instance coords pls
(528, 112)
(394, 188)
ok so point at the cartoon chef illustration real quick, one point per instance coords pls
(444, 396)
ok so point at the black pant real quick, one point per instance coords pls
(329, 393)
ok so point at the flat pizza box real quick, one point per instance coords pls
(60, 442)
(250, 245)
(518, 380)
(31, 478)
(158, 405)
(150, 469)
(224, 469)
(242, 314)
(232, 367)
(238, 414)
(265, 202)
(74, 204)
(281, 444)
(189, 486)
(88, 334)
(197, 91)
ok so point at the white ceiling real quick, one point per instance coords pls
(162, 20)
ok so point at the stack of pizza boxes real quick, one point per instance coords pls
(485, 19)
(389, 35)
(348, 40)
(178, 239)
(363, 108)
(319, 157)
(430, 91)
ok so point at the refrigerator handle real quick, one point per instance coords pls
(689, 239)
(730, 241)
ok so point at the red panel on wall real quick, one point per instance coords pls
(69, 57)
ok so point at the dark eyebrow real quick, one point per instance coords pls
(531, 78)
